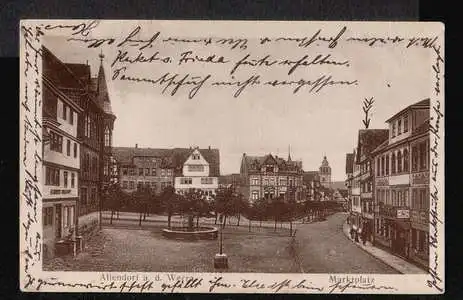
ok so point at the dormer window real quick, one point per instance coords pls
(393, 129)
(399, 126)
(196, 156)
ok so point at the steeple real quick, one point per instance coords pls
(289, 153)
(102, 89)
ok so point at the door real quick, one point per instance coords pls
(58, 223)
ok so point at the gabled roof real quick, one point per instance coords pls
(421, 104)
(256, 162)
(349, 163)
(174, 158)
(369, 139)
(58, 72)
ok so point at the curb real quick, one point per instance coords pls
(371, 254)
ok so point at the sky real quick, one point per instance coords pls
(261, 120)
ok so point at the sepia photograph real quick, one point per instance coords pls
(207, 156)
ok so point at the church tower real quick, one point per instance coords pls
(109, 173)
(325, 173)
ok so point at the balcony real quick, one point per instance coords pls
(419, 217)
(395, 212)
(420, 178)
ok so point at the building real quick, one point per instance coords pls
(349, 177)
(402, 185)
(197, 169)
(181, 168)
(61, 151)
(95, 133)
(147, 167)
(325, 173)
(368, 140)
(355, 215)
(270, 177)
(232, 181)
(311, 182)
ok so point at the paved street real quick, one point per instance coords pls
(323, 248)
(318, 248)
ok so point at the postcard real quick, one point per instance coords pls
(232, 157)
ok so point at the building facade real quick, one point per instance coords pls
(197, 173)
(368, 140)
(356, 206)
(270, 177)
(402, 185)
(311, 183)
(349, 176)
(182, 168)
(325, 173)
(61, 151)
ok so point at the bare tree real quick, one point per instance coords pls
(367, 105)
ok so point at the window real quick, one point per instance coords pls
(75, 150)
(206, 180)
(93, 196)
(147, 172)
(269, 169)
(185, 180)
(163, 172)
(125, 184)
(406, 160)
(56, 142)
(393, 161)
(423, 156)
(387, 165)
(378, 167)
(195, 156)
(131, 184)
(68, 148)
(73, 180)
(255, 195)
(283, 181)
(399, 126)
(51, 176)
(255, 181)
(195, 168)
(48, 216)
(132, 171)
(169, 172)
(65, 111)
(399, 162)
(83, 196)
(71, 116)
(406, 200)
(414, 158)
(265, 181)
(140, 172)
(382, 166)
(405, 123)
(107, 137)
(393, 129)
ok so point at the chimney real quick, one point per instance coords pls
(136, 146)
(209, 147)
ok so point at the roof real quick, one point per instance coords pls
(256, 162)
(174, 158)
(369, 139)
(81, 71)
(229, 179)
(349, 163)
(310, 176)
(58, 72)
(421, 104)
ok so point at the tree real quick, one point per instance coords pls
(114, 198)
(170, 201)
(193, 205)
(278, 207)
(141, 199)
(260, 208)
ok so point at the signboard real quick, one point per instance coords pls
(403, 214)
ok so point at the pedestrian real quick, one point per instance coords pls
(352, 231)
